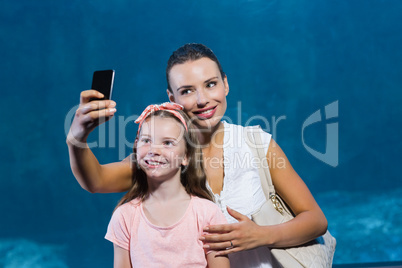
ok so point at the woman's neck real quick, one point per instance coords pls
(206, 137)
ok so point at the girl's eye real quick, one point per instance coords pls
(145, 140)
(168, 143)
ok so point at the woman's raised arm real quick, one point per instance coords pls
(93, 177)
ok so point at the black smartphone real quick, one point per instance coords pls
(102, 81)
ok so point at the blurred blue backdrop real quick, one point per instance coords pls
(284, 60)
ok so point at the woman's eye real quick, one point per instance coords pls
(145, 140)
(211, 84)
(185, 91)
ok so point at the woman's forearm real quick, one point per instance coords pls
(85, 167)
(96, 178)
(303, 228)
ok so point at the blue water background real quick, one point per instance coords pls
(284, 60)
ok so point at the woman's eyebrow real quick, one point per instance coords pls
(209, 80)
(205, 82)
(185, 86)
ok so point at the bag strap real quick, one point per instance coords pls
(257, 148)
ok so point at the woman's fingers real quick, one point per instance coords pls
(230, 248)
(90, 114)
(220, 228)
(215, 238)
(97, 105)
(226, 228)
(238, 216)
(97, 116)
(229, 238)
(228, 251)
(226, 245)
(87, 95)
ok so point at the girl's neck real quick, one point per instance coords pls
(167, 190)
(166, 205)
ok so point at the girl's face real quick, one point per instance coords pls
(161, 148)
(200, 88)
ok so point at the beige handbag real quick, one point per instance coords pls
(316, 253)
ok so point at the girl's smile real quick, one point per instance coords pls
(153, 163)
(161, 148)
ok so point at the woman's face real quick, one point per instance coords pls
(200, 88)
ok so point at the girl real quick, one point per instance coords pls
(197, 82)
(158, 222)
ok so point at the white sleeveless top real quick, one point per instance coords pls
(242, 190)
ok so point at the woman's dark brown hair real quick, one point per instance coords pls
(191, 52)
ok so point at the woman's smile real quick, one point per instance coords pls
(200, 88)
(205, 113)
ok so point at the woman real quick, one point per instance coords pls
(197, 82)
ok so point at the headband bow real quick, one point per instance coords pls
(170, 107)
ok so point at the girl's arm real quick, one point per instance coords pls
(121, 257)
(93, 177)
(215, 261)
(309, 222)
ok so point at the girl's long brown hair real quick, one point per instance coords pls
(192, 177)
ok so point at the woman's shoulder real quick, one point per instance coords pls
(235, 133)
(234, 127)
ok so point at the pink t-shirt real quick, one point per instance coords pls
(154, 246)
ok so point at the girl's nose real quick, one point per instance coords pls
(154, 149)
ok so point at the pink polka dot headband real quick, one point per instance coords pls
(170, 107)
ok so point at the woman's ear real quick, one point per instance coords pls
(170, 95)
(226, 84)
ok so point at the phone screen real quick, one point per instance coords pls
(102, 81)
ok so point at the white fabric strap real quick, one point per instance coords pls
(257, 148)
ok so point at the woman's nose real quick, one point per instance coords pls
(202, 99)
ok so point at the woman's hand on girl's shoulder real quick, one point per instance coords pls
(234, 237)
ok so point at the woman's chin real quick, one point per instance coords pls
(207, 124)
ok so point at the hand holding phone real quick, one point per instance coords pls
(102, 81)
(83, 124)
